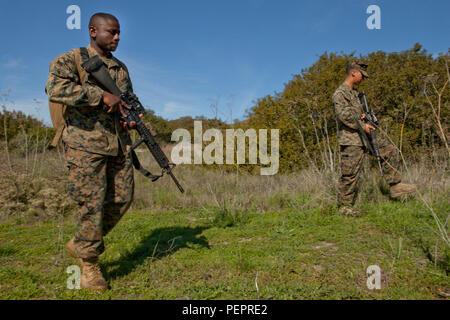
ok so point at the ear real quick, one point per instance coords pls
(355, 73)
(92, 31)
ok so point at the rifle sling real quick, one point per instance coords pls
(137, 166)
(84, 54)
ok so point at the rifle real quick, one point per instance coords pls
(97, 69)
(371, 140)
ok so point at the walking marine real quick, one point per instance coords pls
(96, 142)
(351, 117)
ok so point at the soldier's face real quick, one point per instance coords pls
(107, 34)
(357, 76)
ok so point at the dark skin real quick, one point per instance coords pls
(105, 37)
(354, 78)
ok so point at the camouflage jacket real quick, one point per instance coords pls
(88, 126)
(349, 110)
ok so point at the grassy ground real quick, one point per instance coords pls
(230, 236)
(215, 254)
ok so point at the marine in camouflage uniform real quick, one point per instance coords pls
(349, 113)
(100, 176)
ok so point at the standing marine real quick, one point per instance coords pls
(350, 117)
(100, 171)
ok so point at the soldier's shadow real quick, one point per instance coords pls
(160, 243)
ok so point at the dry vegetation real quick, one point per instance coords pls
(35, 186)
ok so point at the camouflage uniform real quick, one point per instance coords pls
(100, 169)
(349, 110)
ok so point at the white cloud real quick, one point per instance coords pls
(168, 93)
(174, 109)
(37, 108)
(173, 94)
(13, 63)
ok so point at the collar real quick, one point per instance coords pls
(347, 87)
(110, 61)
(344, 84)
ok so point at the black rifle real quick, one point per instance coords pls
(372, 143)
(97, 69)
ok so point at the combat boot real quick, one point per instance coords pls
(70, 247)
(91, 275)
(349, 211)
(401, 189)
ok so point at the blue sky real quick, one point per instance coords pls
(185, 55)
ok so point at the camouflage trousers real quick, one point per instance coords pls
(103, 187)
(351, 163)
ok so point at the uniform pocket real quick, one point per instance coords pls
(86, 176)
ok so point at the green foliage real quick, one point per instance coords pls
(159, 125)
(23, 131)
(188, 124)
(224, 217)
(304, 111)
(164, 128)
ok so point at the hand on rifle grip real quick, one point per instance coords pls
(369, 128)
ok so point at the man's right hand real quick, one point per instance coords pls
(368, 128)
(114, 103)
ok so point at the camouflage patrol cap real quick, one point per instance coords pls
(360, 66)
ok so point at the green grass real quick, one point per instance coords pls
(222, 254)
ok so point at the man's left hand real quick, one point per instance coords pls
(130, 125)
